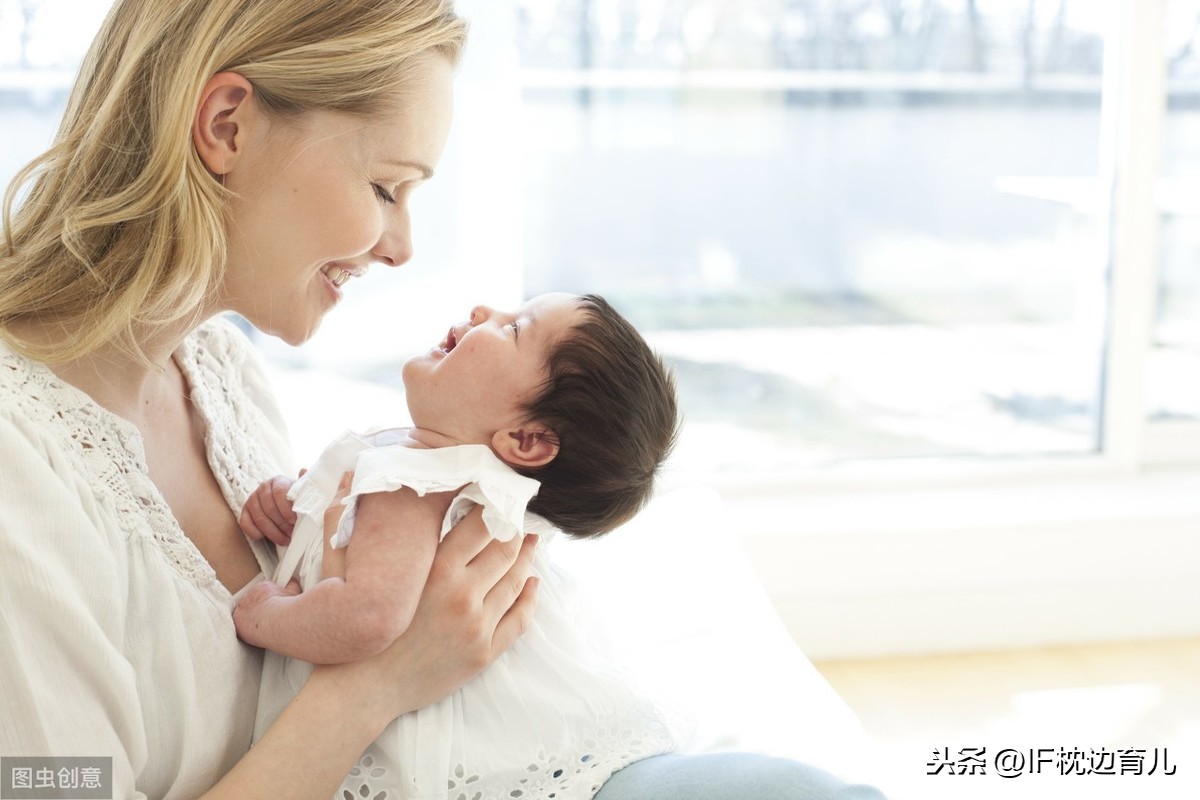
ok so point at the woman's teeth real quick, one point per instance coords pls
(337, 276)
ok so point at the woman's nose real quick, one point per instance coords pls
(394, 247)
(480, 314)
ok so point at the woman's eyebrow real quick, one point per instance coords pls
(426, 171)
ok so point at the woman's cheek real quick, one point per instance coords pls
(358, 227)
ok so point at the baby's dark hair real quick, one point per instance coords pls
(610, 401)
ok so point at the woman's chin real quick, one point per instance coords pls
(294, 335)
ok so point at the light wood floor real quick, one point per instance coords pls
(1103, 698)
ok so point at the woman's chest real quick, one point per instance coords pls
(178, 465)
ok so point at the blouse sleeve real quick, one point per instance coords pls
(67, 689)
(482, 478)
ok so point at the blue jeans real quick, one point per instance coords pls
(728, 776)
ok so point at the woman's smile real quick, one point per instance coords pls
(338, 274)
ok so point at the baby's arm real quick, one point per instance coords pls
(353, 615)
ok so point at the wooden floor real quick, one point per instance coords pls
(1107, 702)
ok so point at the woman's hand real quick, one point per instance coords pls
(479, 598)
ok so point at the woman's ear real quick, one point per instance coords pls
(531, 445)
(222, 117)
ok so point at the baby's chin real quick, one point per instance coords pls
(406, 371)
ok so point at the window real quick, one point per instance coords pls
(857, 230)
(1174, 365)
(41, 44)
(868, 230)
(936, 251)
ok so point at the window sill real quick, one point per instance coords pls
(1015, 563)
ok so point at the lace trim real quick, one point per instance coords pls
(108, 450)
(212, 361)
(574, 775)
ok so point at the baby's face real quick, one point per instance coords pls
(476, 380)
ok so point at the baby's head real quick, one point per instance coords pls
(563, 389)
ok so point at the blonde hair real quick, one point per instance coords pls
(123, 227)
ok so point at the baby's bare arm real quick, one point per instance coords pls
(355, 615)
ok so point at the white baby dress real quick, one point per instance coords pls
(552, 718)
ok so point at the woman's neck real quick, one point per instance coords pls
(120, 381)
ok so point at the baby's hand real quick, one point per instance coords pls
(250, 615)
(268, 512)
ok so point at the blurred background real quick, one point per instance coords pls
(859, 229)
(928, 273)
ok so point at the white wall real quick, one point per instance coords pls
(1010, 564)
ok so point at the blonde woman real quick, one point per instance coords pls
(216, 155)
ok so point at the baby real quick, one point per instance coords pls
(559, 412)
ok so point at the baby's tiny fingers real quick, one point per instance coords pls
(280, 537)
(261, 522)
(281, 506)
(246, 523)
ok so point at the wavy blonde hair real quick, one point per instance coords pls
(123, 227)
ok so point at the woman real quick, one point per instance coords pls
(245, 155)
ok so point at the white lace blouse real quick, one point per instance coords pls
(115, 635)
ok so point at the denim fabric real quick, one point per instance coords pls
(728, 776)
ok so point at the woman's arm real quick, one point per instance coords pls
(67, 688)
(478, 599)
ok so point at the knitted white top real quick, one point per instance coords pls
(116, 637)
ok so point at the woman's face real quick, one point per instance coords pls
(316, 201)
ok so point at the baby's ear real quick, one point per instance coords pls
(531, 445)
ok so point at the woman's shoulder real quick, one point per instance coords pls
(22, 380)
(39, 406)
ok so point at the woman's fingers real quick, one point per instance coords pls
(507, 587)
(490, 576)
(471, 545)
(497, 570)
(466, 540)
(516, 619)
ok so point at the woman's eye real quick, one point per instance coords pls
(383, 194)
(514, 328)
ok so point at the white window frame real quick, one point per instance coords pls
(927, 555)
